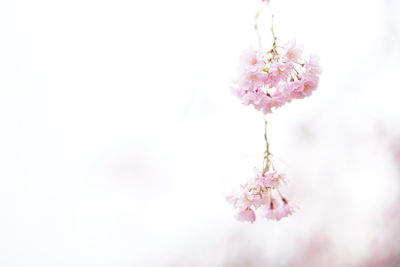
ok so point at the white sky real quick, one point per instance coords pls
(119, 135)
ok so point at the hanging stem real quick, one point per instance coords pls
(274, 38)
(267, 153)
(272, 27)
(256, 27)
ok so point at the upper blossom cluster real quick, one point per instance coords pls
(261, 192)
(272, 79)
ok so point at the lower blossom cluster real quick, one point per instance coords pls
(262, 193)
(271, 79)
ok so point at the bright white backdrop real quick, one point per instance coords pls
(119, 135)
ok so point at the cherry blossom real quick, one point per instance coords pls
(246, 215)
(269, 79)
(261, 192)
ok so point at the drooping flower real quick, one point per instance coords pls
(271, 179)
(251, 62)
(292, 52)
(250, 80)
(286, 209)
(271, 211)
(277, 210)
(246, 215)
(312, 65)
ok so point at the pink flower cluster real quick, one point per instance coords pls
(262, 192)
(272, 79)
